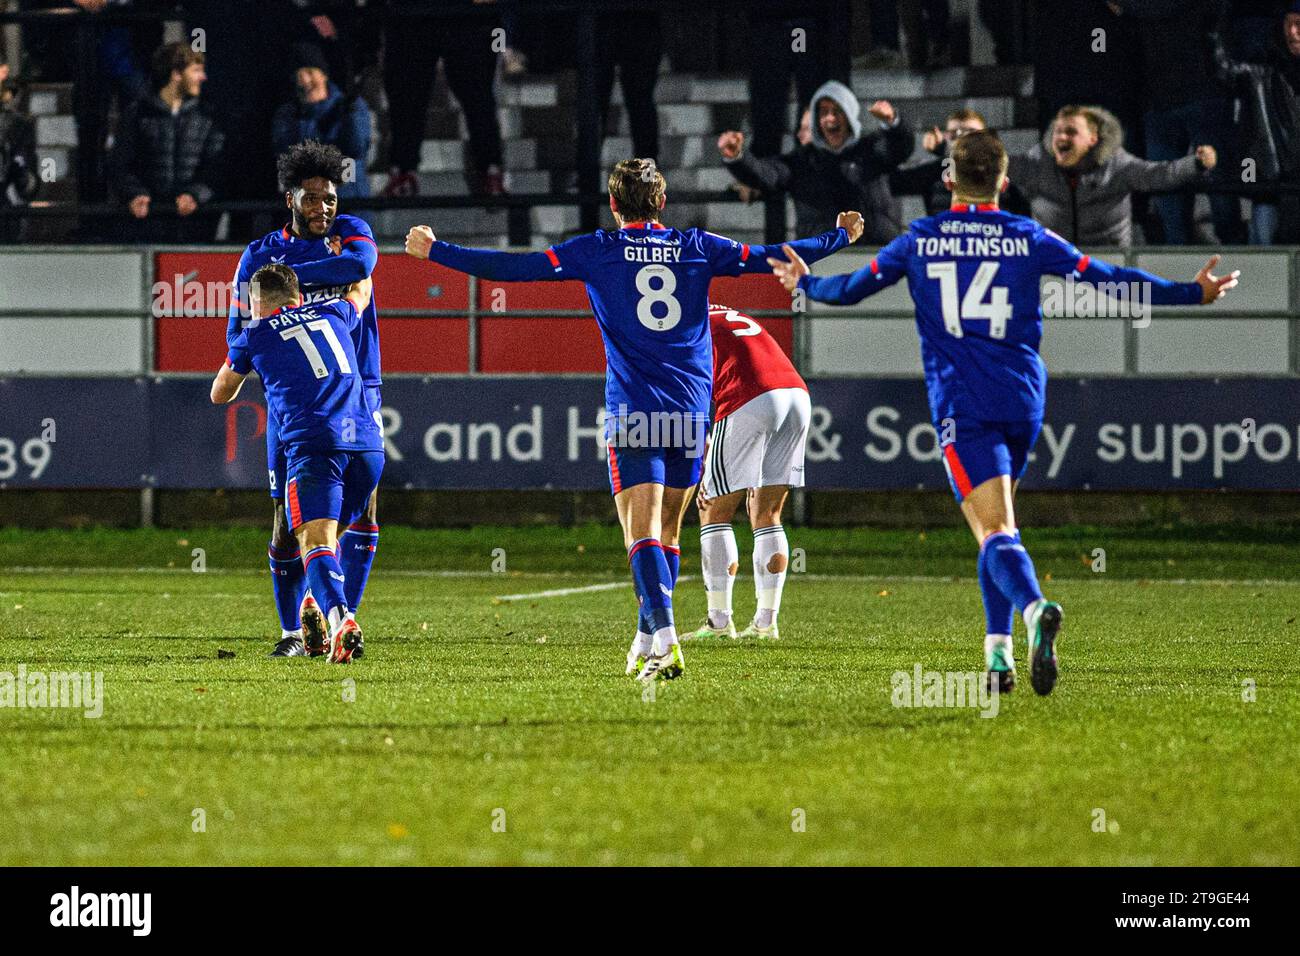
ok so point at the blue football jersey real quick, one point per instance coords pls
(974, 274)
(649, 290)
(283, 246)
(308, 364)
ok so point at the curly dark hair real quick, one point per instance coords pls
(308, 160)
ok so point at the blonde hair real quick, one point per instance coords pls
(638, 188)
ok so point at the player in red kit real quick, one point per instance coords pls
(756, 448)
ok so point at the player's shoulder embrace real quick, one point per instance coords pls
(348, 224)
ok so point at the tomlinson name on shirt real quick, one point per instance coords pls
(983, 247)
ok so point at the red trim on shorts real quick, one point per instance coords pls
(875, 267)
(295, 511)
(1082, 264)
(744, 251)
(959, 476)
(616, 481)
(555, 260)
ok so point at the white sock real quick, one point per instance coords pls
(337, 617)
(718, 554)
(1028, 613)
(285, 635)
(769, 542)
(664, 639)
(642, 644)
(994, 642)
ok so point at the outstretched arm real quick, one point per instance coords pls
(484, 263)
(884, 270)
(1060, 258)
(730, 258)
(1202, 290)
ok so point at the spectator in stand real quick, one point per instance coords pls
(1084, 53)
(347, 37)
(777, 56)
(413, 45)
(1183, 105)
(249, 45)
(999, 19)
(1270, 125)
(17, 155)
(633, 42)
(169, 150)
(925, 25)
(925, 178)
(1078, 180)
(323, 112)
(844, 167)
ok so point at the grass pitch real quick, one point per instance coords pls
(504, 732)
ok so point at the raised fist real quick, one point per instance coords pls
(419, 241)
(852, 223)
(731, 143)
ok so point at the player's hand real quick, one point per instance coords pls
(883, 110)
(702, 500)
(335, 244)
(1208, 156)
(359, 293)
(789, 273)
(139, 206)
(1215, 287)
(932, 139)
(852, 223)
(419, 241)
(185, 204)
(731, 143)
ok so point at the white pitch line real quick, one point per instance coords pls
(859, 578)
(560, 592)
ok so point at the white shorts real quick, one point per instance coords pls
(759, 444)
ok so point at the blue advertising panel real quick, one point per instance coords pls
(545, 432)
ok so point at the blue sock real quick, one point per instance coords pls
(673, 555)
(289, 582)
(653, 583)
(326, 580)
(1011, 569)
(998, 612)
(674, 558)
(357, 548)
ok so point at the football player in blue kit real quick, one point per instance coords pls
(328, 251)
(974, 274)
(333, 445)
(649, 290)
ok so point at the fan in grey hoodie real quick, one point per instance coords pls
(841, 168)
(1079, 178)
